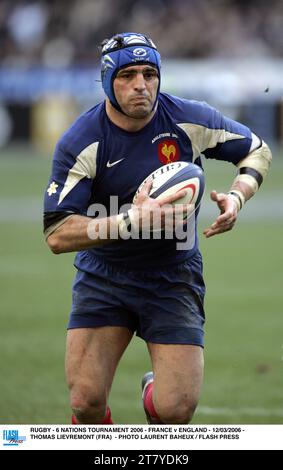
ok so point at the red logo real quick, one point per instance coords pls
(168, 151)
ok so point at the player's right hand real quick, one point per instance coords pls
(156, 214)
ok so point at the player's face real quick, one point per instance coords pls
(135, 90)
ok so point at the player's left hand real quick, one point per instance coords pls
(226, 220)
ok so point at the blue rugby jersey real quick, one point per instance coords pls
(95, 160)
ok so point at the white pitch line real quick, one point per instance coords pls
(249, 411)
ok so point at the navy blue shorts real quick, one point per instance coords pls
(161, 306)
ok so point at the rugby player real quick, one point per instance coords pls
(139, 286)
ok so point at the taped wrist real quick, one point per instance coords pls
(238, 198)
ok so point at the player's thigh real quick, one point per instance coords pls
(92, 355)
(178, 373)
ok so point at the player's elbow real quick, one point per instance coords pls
(54, 244)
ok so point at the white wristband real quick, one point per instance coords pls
(238, 197)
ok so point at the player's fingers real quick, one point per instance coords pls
(144, 192)
(217, 197)
(220, 199)
(178, 210)
(172, 197)
(146, 187)
(173, 211)
(211, 231)
(223, 223)
(226, 217)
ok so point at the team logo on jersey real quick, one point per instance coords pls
(168, 151)
(52, 188)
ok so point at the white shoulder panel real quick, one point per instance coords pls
(85, 166)
(203, 138)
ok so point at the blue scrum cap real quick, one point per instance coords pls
(122, 50)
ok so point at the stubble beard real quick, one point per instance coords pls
(139, 111)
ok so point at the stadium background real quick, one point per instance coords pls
(228, 53)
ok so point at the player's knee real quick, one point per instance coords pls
(88, 405)
(177, 411)
(88, 412)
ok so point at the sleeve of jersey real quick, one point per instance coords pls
(216, 136)
(70, 185)
(226, 139)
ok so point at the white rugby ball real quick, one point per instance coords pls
(171, 178)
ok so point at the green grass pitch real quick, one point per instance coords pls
(244, 340)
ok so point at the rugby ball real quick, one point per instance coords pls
(174, 177)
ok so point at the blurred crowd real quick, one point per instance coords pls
(59, 33)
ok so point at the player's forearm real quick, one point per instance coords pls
(252, 171)
(80, 233)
